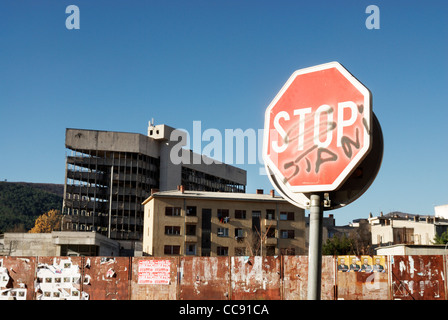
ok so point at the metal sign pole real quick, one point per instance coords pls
(315, 247)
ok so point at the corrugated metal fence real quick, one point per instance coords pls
(221, 278)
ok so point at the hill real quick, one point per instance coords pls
(21, 203)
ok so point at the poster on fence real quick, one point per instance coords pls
(349, 263)
(154, 271)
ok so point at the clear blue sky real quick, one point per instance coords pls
(222, 62)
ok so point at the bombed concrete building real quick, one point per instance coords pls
(109, 174)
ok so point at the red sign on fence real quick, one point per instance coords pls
(154, 271)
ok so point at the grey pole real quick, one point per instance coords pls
(315, 247)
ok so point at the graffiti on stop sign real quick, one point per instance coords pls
(323, 154)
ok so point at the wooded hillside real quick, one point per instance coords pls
(21, 203)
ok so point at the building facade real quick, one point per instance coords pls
(403, 228)
(183, 222)
(109, 174)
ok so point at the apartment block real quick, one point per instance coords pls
(200, 223)
(109, 174)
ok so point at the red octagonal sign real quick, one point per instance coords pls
(317, 129)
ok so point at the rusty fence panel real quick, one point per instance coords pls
(255, 277)
(154, 278)
(204, 278)
(362, 278)
(295, 278)
(17, 278)
(106, 278)
(418, 277)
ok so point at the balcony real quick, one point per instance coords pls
(270, 241)
(191, 219)
(191, 238)
(270, 222)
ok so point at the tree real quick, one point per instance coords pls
(254, 241)
(47, 222)
(441, 239)
(361, 239)
(338, 245)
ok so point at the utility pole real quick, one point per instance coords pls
(315, 247)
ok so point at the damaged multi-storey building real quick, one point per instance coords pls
(109, 174)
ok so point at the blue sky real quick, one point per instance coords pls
(221, 63)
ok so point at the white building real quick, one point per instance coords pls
(404, 228)
(441, 211)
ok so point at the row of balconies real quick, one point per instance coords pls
(103, 193)
(102, 206)
(104, 220)
(91, 162)
(104, 179)
(195, 219)
(266, 240)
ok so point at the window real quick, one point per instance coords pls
(190, 249)
(287, 216)
(223, 232)
(270, 250)
(239, 233)
(222, 251)
(270, 214)
(172, 230)
(223, 215)
(170, 249)
(172, 211)
(256, 214)
(240, 251)
(287, 234)
(190, 229)
(240, 214)
(191, 211)
(270, 232)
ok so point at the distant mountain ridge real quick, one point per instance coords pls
(57, 189)
(22, 202)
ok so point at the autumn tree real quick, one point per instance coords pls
(47, 222)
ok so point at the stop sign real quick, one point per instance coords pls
(317, 129)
